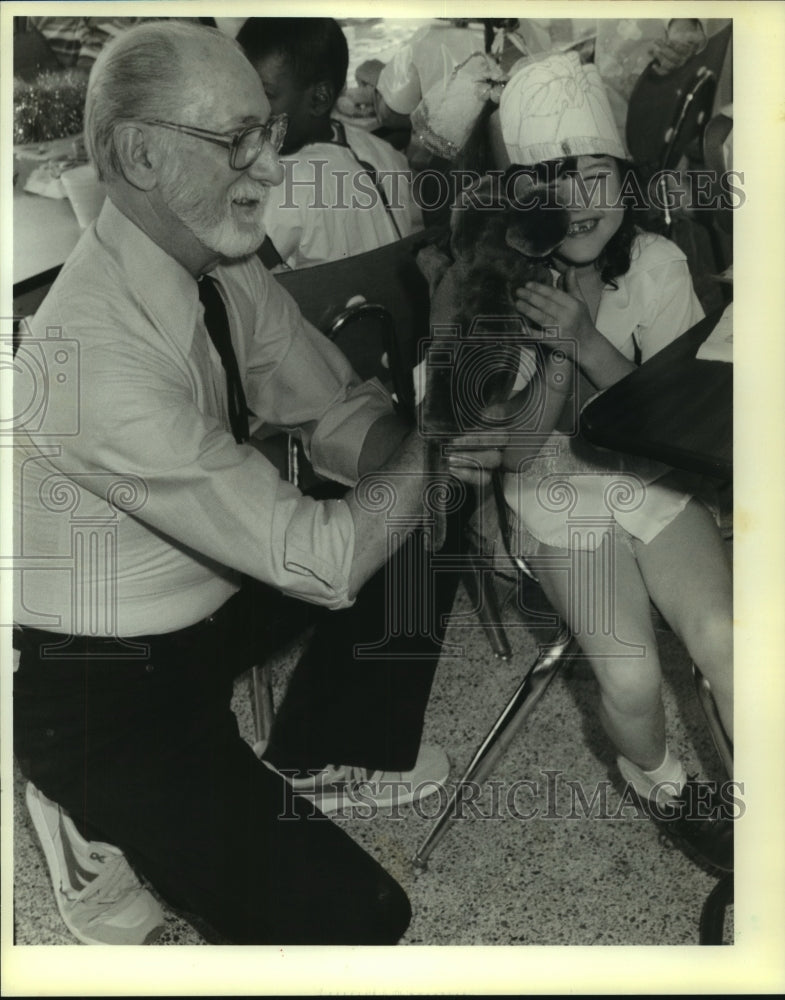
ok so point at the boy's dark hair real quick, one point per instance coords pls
(314, 47)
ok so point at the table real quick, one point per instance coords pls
(675, 408)
(45, 232)
(45, 229)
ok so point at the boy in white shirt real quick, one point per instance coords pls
(345, 191)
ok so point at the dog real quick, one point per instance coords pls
(497, 244)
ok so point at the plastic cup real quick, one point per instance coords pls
(85, 192)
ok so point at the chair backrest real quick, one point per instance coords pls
(365, 332)
(372, 303)
(667, 113)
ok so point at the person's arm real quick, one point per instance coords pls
(667, 307)
(539, 405)
(396, 492)
(398, 87)
(349, 428)
(386, 116)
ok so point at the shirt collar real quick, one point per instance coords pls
(160, 282)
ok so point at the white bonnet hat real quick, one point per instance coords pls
(556, 106)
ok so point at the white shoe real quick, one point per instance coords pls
(337, 787)
(660, 792)
(97, 892)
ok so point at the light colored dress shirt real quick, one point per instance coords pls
(327, 207)
(136, 509)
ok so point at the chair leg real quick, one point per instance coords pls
(479, 583)
(501, 734)
(716, 728)
(712, 921)
(263, 711)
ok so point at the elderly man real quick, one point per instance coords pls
(145, 477)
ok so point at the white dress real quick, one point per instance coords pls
(573, 493)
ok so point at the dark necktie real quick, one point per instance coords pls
(217, 323)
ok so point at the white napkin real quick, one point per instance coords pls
(719, 344)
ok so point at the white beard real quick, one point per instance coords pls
(212, 222)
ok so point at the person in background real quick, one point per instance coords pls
(345, 191)
(420, 64)
(76, 41)
(621, 48)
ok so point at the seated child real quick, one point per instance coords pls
(605, 533)
(345, 191)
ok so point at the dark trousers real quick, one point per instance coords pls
(145, 753)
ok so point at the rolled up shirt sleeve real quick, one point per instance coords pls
(319, 548)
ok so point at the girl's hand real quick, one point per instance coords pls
(564, 309)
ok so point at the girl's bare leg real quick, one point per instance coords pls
(601, 595)
(687, 572)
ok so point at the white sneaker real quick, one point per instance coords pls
(97, 892)
(337, 787)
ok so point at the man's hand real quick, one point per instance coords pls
(472, 457)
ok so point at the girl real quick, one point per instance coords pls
(621, 525)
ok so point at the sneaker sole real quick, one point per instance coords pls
(47, 848)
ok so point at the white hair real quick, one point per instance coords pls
(139, 75)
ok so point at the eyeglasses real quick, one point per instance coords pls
(244, 146)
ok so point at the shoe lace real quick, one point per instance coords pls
(352, 777)
(116, 883)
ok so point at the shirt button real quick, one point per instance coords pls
(209, 620)
(50, 732)
(149, 668)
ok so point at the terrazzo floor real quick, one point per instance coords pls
(500, 877)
